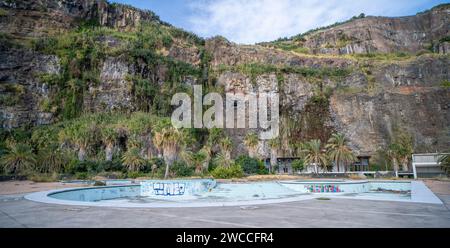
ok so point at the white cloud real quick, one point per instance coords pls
(250, 21)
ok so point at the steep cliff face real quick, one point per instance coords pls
(381, 34)
(43, 17)
(20, 92)
(227, 53)
(368, 104)
(424, 31)
(367, 98)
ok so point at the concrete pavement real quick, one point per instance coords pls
(15, 211)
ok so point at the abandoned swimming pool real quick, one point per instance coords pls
(209, 193)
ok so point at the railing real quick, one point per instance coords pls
(425, 158)
(425, 161)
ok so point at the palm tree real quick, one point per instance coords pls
(133, 160)
(80, 135)
(226, 146)
(339, 151)
(251, 141)
(134, 141)
(223, 160)
(195, 159)
(214, 136)
(169, 140)
(274, 145)
(140, 124)
(405, 143)
(109, 137)
(157, 142)
(207, 150)
(52, 159)
(314, 155)
(393, 153)
(19, 157)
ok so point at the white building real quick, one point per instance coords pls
(427, 165)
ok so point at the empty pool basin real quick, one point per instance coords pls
(146, 188)
(208, 193)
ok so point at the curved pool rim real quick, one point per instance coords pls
(424, 195)
(45, 197)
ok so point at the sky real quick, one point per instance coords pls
(253, 21)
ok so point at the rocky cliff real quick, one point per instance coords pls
(42, 17)
(424, 31)
(138, 61)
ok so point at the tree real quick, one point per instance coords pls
(133, 160)
(338, 151)
(226, 146)
(274, 145)
(52, 159)
(140, 124)
(169, 140)
(251, 141)
(393, 154)
(215, 135)
(109, 138)
(157, 142)
(405, 143)
(223, 160)
(195, 159)
(207, 150)
(314, 155)
(18, 158)
(400, 151)
(81, 135)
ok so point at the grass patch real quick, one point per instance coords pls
(323, 199)
(399, 56)
(348, 90)
(289, 46)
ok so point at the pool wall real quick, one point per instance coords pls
(98, 193)
(345, 186)
(176, 187)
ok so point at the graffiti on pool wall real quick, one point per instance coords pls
(323, 188)
(169, 188)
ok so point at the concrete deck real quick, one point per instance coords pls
(15, 211)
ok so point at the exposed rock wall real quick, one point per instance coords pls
(43, 17)
(21, 90)
(227, 53)
(383, 34)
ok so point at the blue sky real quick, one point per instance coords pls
(251, 21)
